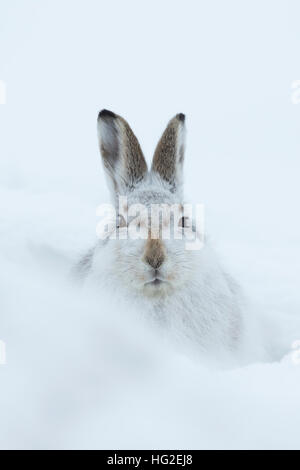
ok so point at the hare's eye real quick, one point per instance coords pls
(120, 222)
(184, 222)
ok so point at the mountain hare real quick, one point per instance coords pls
(179, 286)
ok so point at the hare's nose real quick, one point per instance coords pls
(156, 261)
(154, 253)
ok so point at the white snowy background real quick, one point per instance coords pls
(83, 371)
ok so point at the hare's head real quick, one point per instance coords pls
(146, 254)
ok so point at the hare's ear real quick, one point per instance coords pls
(169, 154)
(122, 156)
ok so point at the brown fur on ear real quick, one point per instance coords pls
(122, 155)
(169, 154)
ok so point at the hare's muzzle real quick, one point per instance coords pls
(154, 253)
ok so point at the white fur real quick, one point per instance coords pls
(201, 300)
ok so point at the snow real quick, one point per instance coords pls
(84, 370)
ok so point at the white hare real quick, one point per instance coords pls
(179, 286)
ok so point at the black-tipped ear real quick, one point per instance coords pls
(122, 156)
(169, 154)
(106, 113)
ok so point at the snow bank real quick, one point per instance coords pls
(85, 371)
